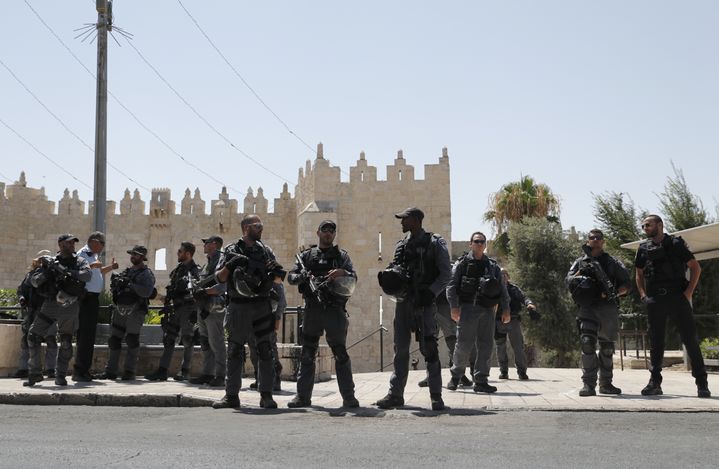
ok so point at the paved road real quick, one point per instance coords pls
(60, 436)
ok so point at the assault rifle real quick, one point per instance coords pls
(593, 269)
(315, 284)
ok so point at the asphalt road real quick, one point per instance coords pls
(39, 436)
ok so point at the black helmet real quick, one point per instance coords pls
(584, 290)
(394, 282)
(490, 290)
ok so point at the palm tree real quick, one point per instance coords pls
(517, 200)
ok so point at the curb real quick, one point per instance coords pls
(106, 400)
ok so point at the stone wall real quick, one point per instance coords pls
(363, 208)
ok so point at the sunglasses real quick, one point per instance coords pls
(596, 238)
(479, 241)
(257, 226)
(646, 225)
(327, 229)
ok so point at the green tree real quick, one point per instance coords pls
(539, 259)
(617, 217)
(681, 208)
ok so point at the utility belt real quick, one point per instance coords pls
(664, 291)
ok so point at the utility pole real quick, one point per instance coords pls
(104, 24)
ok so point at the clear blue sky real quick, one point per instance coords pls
(581, 95)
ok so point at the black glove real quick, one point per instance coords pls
(534, 314)
(424, 298)
(239, 260)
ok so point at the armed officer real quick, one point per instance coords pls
(661, 264)
(180, 308)
(513, 330)
(252, 273)
(211, 308)
(31, 302)
(131, 291)
(596, 280)
(475, 290)
(326, 279)
(418, 273)
(61, 281)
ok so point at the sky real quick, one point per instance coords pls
(586, 97)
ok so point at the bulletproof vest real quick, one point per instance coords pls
(473, 271)
(69, 284)
(418, 257)
(320, 263)
(127, 296)
(256, 271)
(178, 288)
(211, 266)
(664, 269)
(33, 298)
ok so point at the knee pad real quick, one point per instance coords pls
(431, 351)
(264, 350)
(235, 350)
(606, 349)
(340, 353)
(589, 343)
(66, 340)
(168, 341)
(114, 343)
(204, 343)
(132, 340)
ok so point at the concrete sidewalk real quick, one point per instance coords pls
(547, 389)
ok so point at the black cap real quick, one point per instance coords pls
(67, 237)
(139, 250)
(324, 223)
(411, 212)
(213, 239)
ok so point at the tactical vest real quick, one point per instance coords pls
(664, 269)
(419, 258)
(127, 296)
(178, 289)
(258, 256)
(472, 271)
(515, 299)
(70, 285)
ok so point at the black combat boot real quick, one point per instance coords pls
(485, 388)
(453, 383)
(423, 383)
(183, 375)
(202, 379)
(522, 375)
(266, 401)
(32, 379)
(587, 390)
(217, 382)
(390, 402)
(350, 402)
(128, 375)
(159, 375)
(107, 375)
(609, 388)
(82, 377)
(253, 385)
(437, 402)
(653, 388)
(298, 401)
(50, 372)
(227, 402)
(21, 374)
(703, 389)
(503, 374)
(465, 382)
(60, 380)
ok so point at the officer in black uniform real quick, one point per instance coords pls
(131, 291)
(251, 271)
(661, 264)
(211, 307)
(421, 262)
(178, 314)
(518, 301)
(326, 279)
(596, 280)
(475, 292)
(31, 302)
(61, 281)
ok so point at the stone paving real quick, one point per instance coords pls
(547, 389)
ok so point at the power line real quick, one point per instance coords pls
(43, 154)
(120, 103)
(242, 79)
(62, 123)
(200, 116)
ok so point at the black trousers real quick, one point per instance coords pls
(87, 325)
(676, 307)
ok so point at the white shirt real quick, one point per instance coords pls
(95, 283)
